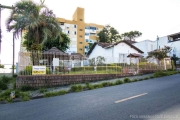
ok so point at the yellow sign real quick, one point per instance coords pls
(39, 70)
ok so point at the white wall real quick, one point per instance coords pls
(112, 55)
(146, 46)
(163, 41)
(97, 51)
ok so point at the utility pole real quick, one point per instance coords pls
(1, 7)
(13, 56)
(157, 42)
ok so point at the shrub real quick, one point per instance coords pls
(1, 66)
(127, 80)
(95, 86)
(5, 79)
(89, 86)
(14, 85)
(117, 82)
(6, 94)
(160, 73)
(99, 68)
(76, 88)
(42, 90)
(141, 79)
(104, 84)
(135, 80)
(3, 86)
(151, 77)
(26, 88)
(50, 94)
(146, 78)
(24, 96)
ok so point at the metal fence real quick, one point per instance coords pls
(62, 63)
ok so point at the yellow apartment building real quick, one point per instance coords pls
(79, 32)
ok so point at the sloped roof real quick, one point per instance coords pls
(103, 45)
(124, 41)
(54, 50)
(134, 55)
(109, 45)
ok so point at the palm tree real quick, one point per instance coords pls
(37, 20)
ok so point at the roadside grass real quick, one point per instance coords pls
(24, 92)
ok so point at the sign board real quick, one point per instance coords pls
(55, 61)
(39, 70)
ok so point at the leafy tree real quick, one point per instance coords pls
(90, 45)
(109, 35)
(160, 54)
(37, 20)
(100, 60)
(60, 43)
(132, 35)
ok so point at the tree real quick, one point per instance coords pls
(109, 35)
(131, 35)
(62, 45)
(160, 54)
(37, 20)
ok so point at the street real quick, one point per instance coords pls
(156, 99)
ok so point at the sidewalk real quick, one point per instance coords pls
(54, 89)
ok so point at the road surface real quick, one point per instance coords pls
(153, 99)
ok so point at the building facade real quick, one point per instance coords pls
(79, 32)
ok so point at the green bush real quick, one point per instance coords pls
(105, 84)
(42, 90)
(135, 80)
(24, 96)
(146, 78)
(50, 94)
(88, 86)
(160, 73)
(151, 77)
(3, 86)
(95, 86)
(118, 82)
(127, 80)
(76, 88)
(6, 94)
(1, 66)
(26, 88)
(99, 68)
(146, 65)
(5, 79)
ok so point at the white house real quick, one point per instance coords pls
(119, 52)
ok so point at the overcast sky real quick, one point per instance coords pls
(151, 17)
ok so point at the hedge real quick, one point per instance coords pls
(99, 68)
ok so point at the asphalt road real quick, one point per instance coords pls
(156, 99)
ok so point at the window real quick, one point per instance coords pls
(80, 36)
(87, 40)
(80, 42)
(74, 26)
(87, 34)
(74, 32)
(68, 32)
(87, 27)
(93, 28)
(85, 53)
(61, 23)
(81, 19)
(80, 30)
(80, 49)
